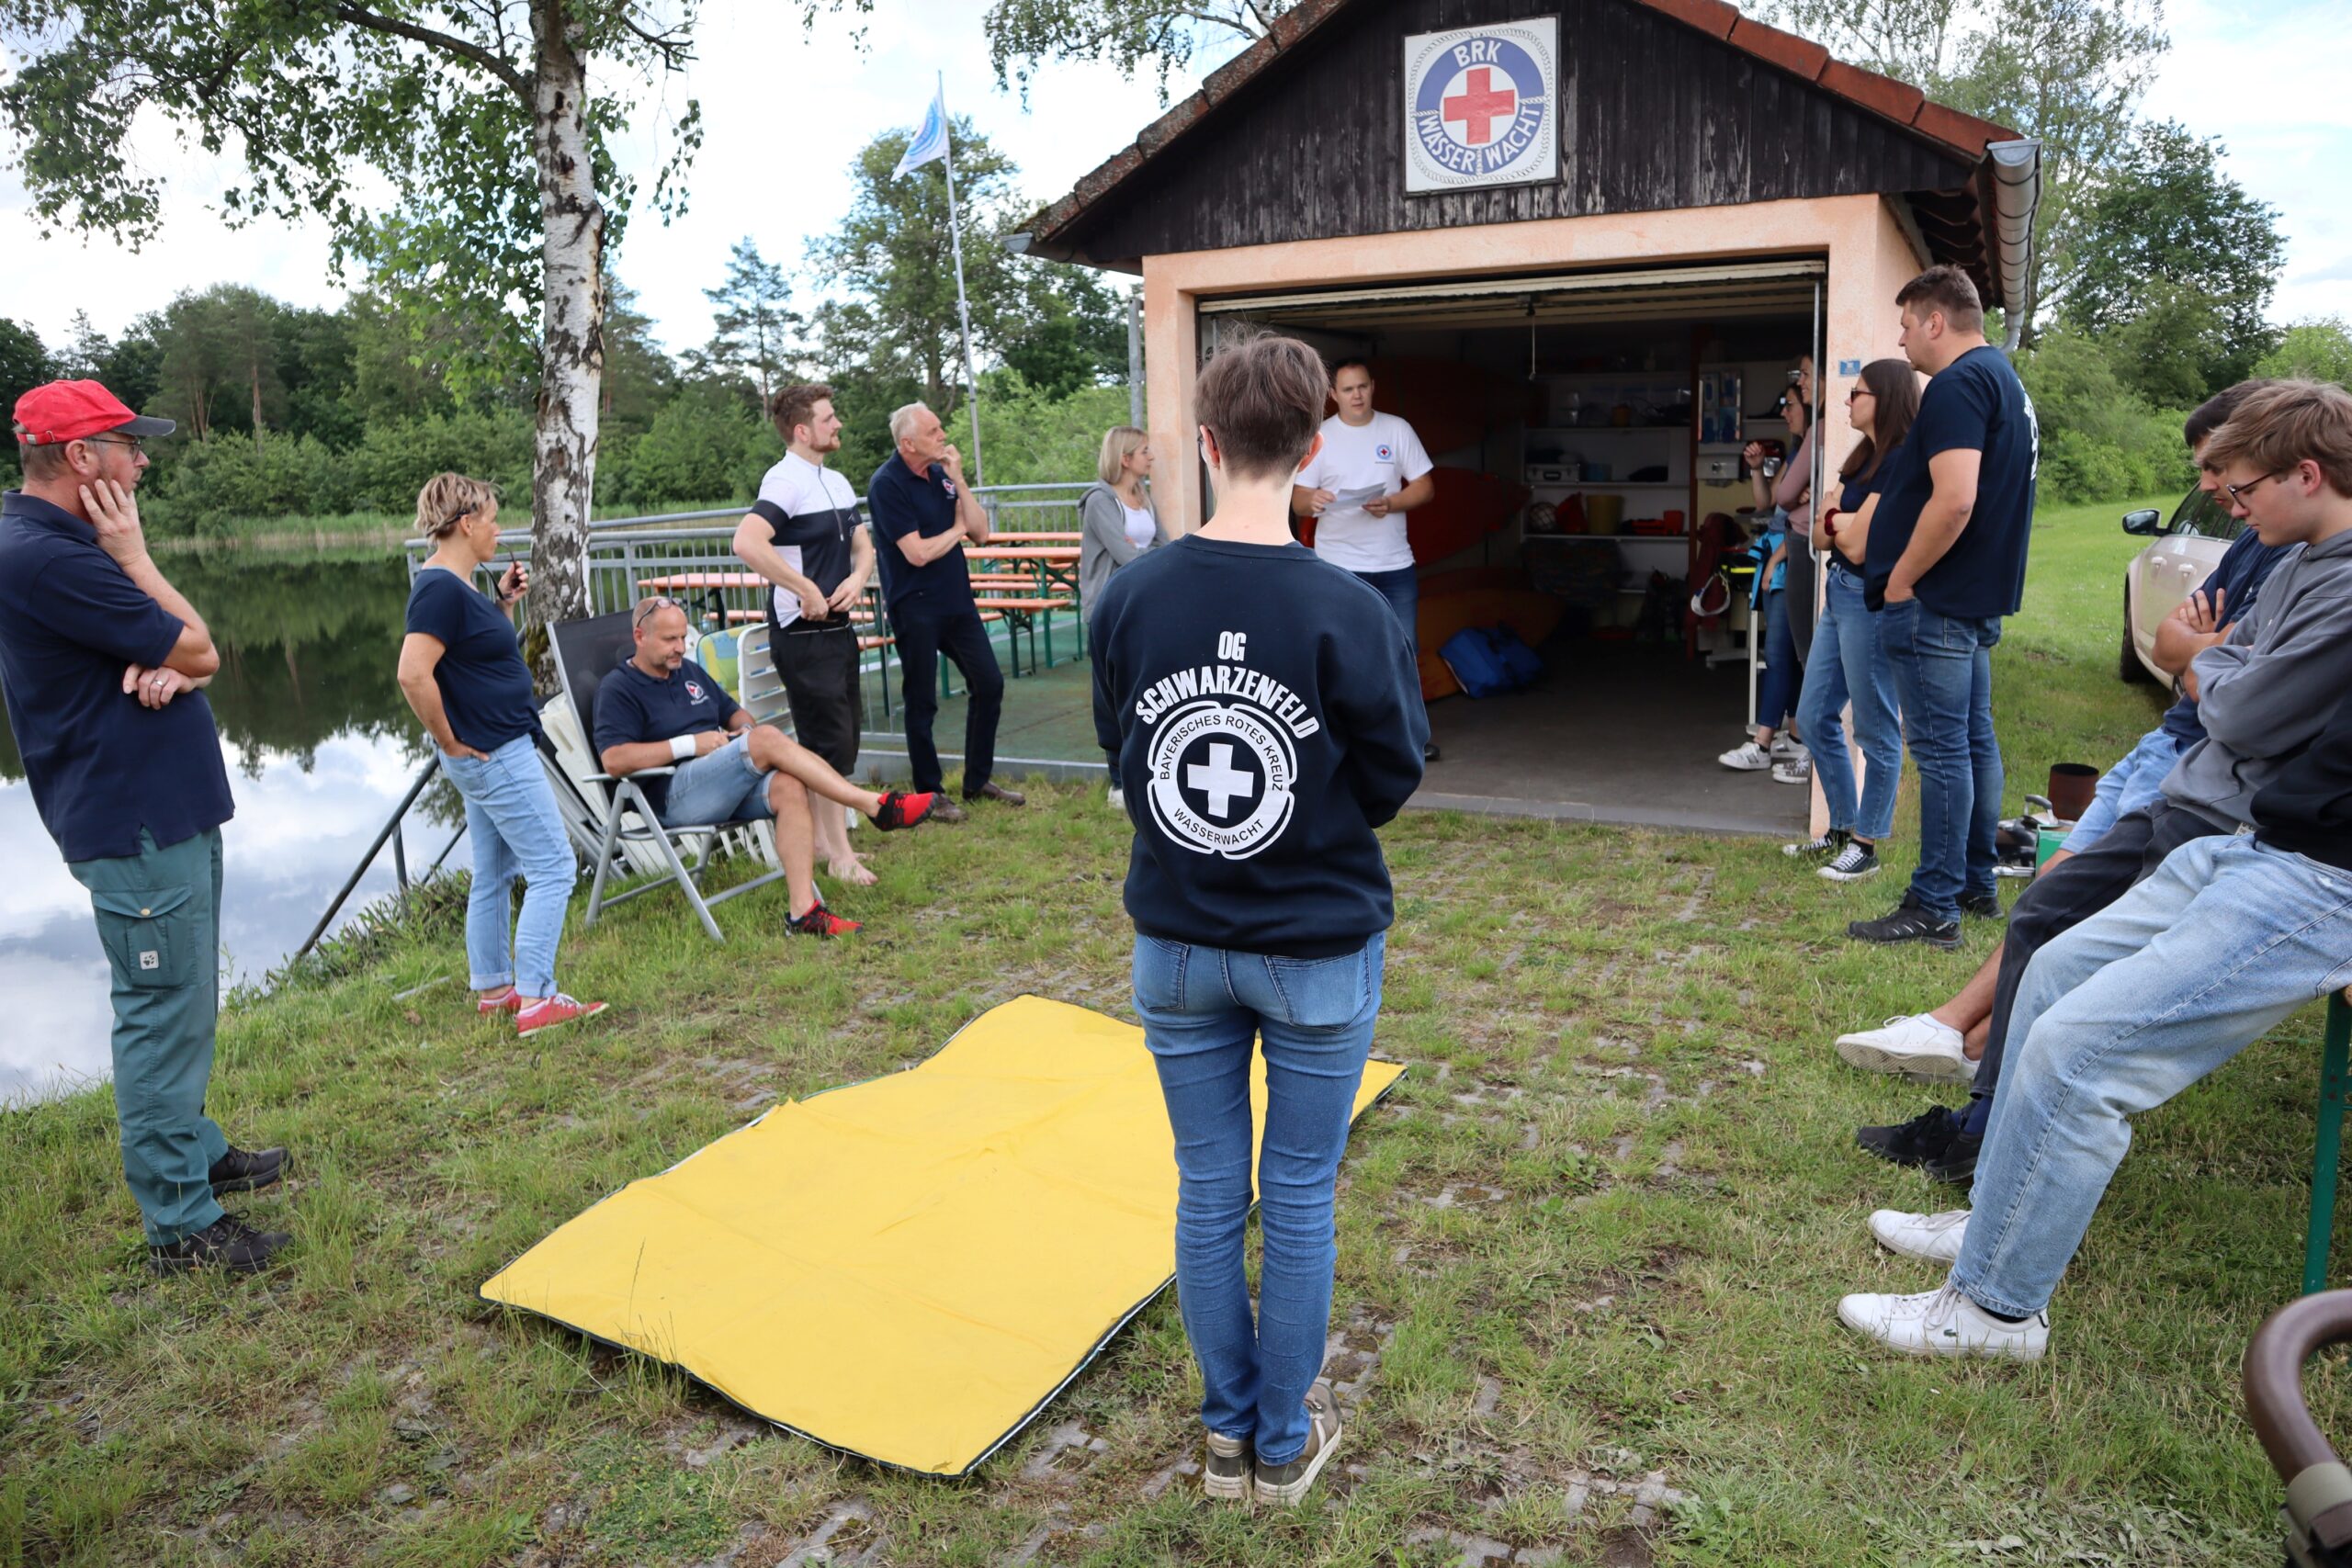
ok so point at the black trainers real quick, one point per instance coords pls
(1852, 864)
(1823, 847)
(1983, 906)
(1925, 1137)
(1907, 923)
(1957, 1164)
(1282, 1486)
(1225, 1476)
(227, 1243)
(247, 1170)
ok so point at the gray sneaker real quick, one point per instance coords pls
(1282, 1486)
(1226, 1477)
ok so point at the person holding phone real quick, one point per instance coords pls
(464, 677)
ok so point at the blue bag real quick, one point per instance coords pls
(1488, 660)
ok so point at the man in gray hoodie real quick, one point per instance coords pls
(2262, 694)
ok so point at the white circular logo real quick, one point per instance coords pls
(1221, 779)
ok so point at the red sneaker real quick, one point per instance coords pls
(822, 922)
(548, 1011)
(900, 809)
(491, 1007)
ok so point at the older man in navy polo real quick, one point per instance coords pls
(102, 661)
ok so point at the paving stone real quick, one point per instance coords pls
(1490, 1394)
(816, 1551)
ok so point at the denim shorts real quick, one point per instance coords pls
(725, 786)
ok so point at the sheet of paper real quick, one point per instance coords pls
(1357, 496)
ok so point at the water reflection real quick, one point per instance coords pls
(320, 747)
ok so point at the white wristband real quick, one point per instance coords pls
(682, 747)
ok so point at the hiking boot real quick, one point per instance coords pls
(246, 1170)
(1855, 862)
(1983, 906)
(1282, 1486)
(1925, 1137)
(1918, 1045)
(1935, 1238)
(1907, 922)
(1226, 1474)
(1823, 847)
(998, 793)
(1956, 1166)
(900, 809)
(820, 922)
(549, 1012)
(227, 1243)
(1944, 1323)
(945, 810)
(1748, 759)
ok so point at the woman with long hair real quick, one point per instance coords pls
(1846, 665)
(1119, 524)
(464, 678)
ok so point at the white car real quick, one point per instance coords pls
(2175, 563)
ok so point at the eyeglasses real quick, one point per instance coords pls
(1860, 392)
(130, 441)
(2239, 492)
(655, 605)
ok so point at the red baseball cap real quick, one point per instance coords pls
(68, 410)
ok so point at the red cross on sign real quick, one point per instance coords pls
(1480, 105)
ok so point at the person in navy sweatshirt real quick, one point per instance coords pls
(1262, 712)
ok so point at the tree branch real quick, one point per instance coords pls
(515, 80)
(672, 45)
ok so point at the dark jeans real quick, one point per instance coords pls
(1402, 589)
(922, 639)
(1944, 680)
(1803, 585)
(2063, 897)
(1776, 688)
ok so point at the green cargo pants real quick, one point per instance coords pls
(159, 916)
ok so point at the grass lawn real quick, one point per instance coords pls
(1590, 1249)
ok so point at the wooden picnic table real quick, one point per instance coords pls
(1046, 538)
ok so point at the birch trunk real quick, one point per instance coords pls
(572, 365)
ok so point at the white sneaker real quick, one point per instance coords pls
(1118, 798)
(1786, 748)
(1944, 1323)
(1916, 1045)
(1748, 759)
(1795, 770)
(1935, 1237)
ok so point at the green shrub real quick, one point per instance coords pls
(704, 446)
(2317, 350)
(211, 483)
(2099, 441)
(392, 461)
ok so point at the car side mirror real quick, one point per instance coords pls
(2147, 520)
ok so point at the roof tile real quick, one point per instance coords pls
(1899, 101)
(1786, 50)
(1962, 131)
(1712, 17)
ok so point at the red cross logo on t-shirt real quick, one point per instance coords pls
(1480, 105)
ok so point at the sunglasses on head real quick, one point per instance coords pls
(654, 606)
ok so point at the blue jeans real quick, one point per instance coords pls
(2129, 785)
(1776, 689)
(511, 815)
(1402, 589)
(1848, 666)
(2122, 1013)
(724, 786)
(1201, 1007)
(1943, 678)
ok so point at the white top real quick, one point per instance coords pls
(1380, 457)
(1142, 529)
(801, 486)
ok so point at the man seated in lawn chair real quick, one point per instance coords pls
(660, 709)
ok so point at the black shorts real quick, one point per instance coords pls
(819, 669)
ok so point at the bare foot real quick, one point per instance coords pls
(851, 870)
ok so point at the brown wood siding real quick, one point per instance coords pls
(1657, 116)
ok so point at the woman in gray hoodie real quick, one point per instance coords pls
(1117, 520)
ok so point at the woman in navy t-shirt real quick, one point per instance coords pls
(465, 679)
(1846, 663)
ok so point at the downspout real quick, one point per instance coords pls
(2017, 199)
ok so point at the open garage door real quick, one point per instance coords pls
(1729, 288)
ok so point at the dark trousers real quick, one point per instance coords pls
(2063, 897)
(961, 636)
(819, 670)
(1803, 585)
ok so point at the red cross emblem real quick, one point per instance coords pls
(1480, 105)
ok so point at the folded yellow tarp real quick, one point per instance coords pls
(906, 1268)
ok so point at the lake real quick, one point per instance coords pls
(321, 747)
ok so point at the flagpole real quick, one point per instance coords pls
(963, 306)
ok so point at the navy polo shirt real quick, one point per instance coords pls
(101, 765)
(485, 685)
(633, 707)
(1976, 403)
(902, 503)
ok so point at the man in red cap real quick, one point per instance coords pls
(102, 661)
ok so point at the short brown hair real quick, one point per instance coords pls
(447, 497)
(1948, 289)
(1262, 399)
(2284, 424)
(796, 405)
(2214, 412)
(39, 460)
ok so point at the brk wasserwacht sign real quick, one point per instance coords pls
(1481, 105)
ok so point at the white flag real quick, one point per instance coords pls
(931, 140)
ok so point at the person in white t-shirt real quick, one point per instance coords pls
(1371, 470)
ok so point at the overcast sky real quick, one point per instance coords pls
(784, 111)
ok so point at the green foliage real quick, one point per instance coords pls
(392, 461)
(1031, 437)
(755, 332)
(214, 482)
(2318, 350)
(2099, 438)
(24, 365)
(1164, 34)
(703, 445)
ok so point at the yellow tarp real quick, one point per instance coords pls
(907, 1269)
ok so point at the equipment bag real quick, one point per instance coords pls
(1490, 660)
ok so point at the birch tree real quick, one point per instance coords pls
(476, 117)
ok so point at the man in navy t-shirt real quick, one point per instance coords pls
(102, 660)
(1946, 562)
(924, 514)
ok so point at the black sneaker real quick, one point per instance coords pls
(1925, 1137)
(1983, 906)
(1853, 862)
(1907, 923)
(1823, 847)
(247, 1170)
(227, 1243)
(1957, 1164)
